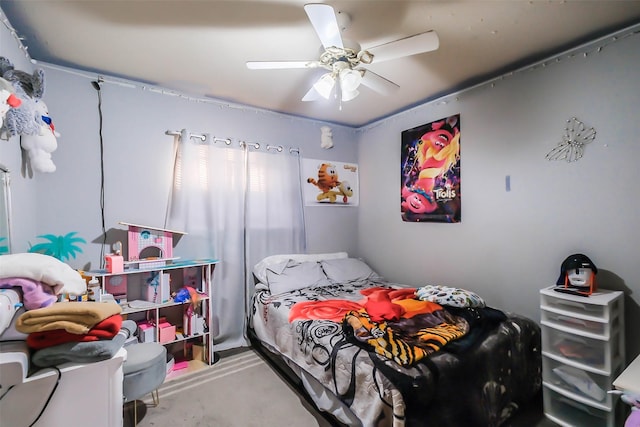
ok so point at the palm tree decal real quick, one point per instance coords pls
(4, 249)
(61, 247)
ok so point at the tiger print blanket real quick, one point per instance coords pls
(405, 341)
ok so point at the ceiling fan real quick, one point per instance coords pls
(344, 61)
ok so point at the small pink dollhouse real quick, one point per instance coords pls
(153, 243)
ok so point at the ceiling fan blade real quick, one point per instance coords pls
(378, 83)
(412, 45)
(275, 65)
(324, 21)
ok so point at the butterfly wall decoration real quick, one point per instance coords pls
(575, 138)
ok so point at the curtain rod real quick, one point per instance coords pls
(205, 137)
(269, 147)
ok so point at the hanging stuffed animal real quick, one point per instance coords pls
(8, 99)
(40, 146)
(31, 119)
(326, 137)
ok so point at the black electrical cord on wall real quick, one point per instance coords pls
(96, 86)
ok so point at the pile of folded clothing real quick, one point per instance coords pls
(81, 332)
(56, 332)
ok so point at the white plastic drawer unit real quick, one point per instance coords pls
(568, 412)
(590, 352)
(582, 383)
(582, 351)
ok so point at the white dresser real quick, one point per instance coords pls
(582, 353)
(80, 395)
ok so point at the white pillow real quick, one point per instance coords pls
(346, 270)
(43, 268)
(260, 269)
(295, 275)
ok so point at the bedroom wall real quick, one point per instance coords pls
(138, 157)
(510, 244)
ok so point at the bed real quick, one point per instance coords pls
(370, 352)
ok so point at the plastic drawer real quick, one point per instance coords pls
(588, 385)
(574, 307)
(581, 325)
(580, 349)
(568, 412)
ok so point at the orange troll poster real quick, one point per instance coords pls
(430, 172)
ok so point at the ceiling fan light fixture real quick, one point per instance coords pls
(349, 80)
(348, 95)
(324, 85)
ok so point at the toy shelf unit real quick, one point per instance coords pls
(172, 305)
(582, 354)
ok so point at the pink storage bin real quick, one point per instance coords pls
(167, 332)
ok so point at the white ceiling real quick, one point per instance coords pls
(200, 47)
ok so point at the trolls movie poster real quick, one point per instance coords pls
(431, 172)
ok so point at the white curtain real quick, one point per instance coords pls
(237, 205)
(274, 208)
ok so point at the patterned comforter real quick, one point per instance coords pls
(433, 366)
